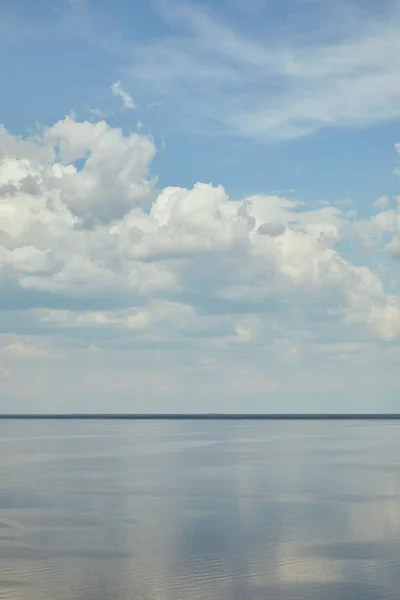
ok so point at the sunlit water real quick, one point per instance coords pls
(199, 510)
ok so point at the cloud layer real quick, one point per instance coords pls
(159, 292)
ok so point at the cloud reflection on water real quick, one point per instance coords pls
(199, 510)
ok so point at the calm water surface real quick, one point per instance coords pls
(199, 510)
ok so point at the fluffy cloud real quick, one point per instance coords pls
(381, 230)
(92, 255)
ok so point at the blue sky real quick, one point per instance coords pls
(192, 190)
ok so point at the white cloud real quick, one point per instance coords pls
(382, 203)
(93, 256)
(118, 90)
(393, 247)
(385, 224)
(98, 113)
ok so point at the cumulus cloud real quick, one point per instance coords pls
(118, 90)
(393, 247)
(113, 179)
(382, 230)
(93, 256)
(272, 229)
(382, 203)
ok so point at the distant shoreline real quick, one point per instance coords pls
(208, 417)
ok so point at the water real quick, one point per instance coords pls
(199, 510)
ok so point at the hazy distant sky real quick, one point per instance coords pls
(198, 206)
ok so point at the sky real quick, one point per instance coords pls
(199, 206)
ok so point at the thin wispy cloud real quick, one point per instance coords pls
(97, 113)
(333, 67)
(262, 87)
(126, 98)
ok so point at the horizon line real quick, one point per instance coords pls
(204, 416)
